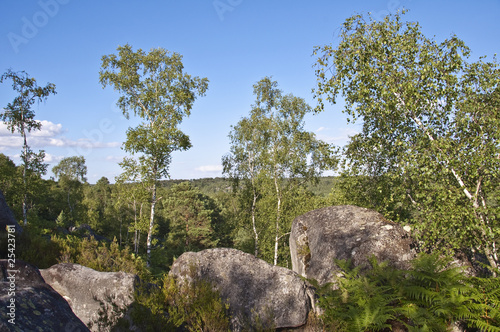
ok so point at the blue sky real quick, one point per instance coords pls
(234, 43)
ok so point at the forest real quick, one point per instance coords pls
(428, 156)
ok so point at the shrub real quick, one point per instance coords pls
(429, 297)
(37, 249)
(193, 306)
(100, 256)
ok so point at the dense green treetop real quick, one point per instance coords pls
(154, 87)
(18, 114)
(430, 117)
(71, 168)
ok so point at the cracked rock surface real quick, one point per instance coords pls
(252, 287)
(38, 307)
(345, 232)
(93, 295)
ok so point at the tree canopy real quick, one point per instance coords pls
(271, 151)
(430, 117)
(155, 88)
(19, 116)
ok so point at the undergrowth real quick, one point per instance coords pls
(429, 297)
(184, 306)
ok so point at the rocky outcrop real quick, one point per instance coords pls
(7, 216)
(345, 232)
(254, 289)
(36, 306)
(99, 299)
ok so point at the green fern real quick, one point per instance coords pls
(360, 302)
(429, 297)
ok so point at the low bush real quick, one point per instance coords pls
(100, 256)
(429, 297)
(193, 306)
(37, 249)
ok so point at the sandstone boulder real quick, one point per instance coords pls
(37, 306)
(345, 232)
(99, 299)
(254, 289)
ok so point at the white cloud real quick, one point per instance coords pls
(50, 158)
(3, 130)
(114, 159)
(321, 129)
(48, 129)
(49, 135)
(341, 136)
(209, 168)
(10, 141)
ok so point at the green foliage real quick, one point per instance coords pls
(430, 128)
(61, 220)
(23, 184)
(9, 182)
(19, 117)
(130, 203)
(37, 249)
(100, 256)
(71, 169)
(361, 302)
(191, 306)
(195, 305)
(428, 297)
(381, 193)
(271, 156)
(149, 309)
(70, 173)
(190, 219)
(155, 87)
(101, 212)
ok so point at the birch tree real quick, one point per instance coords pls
(272, 146)
(131, 197)
(19, 116)
(155, 88)
(432, 114)
(71, 174)
(244, 164)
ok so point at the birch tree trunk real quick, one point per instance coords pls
(278, 219)
(151, 225)
(25, 183)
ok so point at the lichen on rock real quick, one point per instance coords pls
(345, 232)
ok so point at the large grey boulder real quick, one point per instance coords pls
(36, 306)
(254, 289)
(99, 299)
(345, 232)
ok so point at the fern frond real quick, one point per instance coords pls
(483, 325)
